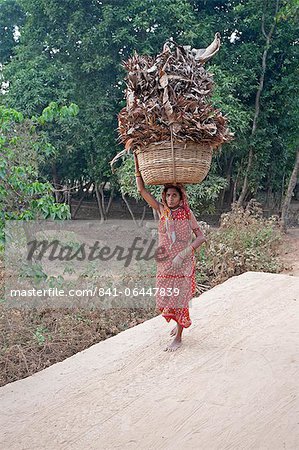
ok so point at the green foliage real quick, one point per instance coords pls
(71, 52)
(225, 97)
(237, 71)
(34, 271)
(24, 196)
(74, 53)
(11, 18)
(289, 10)
(42, 334)
(202, 197)
(54, 112)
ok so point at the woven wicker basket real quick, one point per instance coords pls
(185, 162)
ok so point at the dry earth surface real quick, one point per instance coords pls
(289, 251)
(232, 385)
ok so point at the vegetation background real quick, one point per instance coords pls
(61, 71)
(62, 86)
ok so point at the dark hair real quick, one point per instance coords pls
(168, 186)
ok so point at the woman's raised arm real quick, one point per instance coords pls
(148, 197)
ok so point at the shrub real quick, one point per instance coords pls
(245, 241)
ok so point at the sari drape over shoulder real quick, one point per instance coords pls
(176, 286)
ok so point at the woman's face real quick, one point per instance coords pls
(172, 198)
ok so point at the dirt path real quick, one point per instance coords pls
(231, 386)
(289, 251)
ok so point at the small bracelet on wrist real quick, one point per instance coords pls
(137, 174)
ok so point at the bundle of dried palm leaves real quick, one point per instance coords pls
(168, 97)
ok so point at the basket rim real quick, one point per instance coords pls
(155, 145)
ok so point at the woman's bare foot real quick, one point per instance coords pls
(175, 344)
(174, 331)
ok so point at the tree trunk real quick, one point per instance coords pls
(245, 182)
(80, 190)
(101, 192)
(288, 197)
(128, 206)
(109, 202)
(257, 104)
(69, 196)
(269, 201)
(282, 190)
(56, 183)
(99, 201)
(81, 199)
(143, 215)
(234, 199)
(228, 179)
(155, 214)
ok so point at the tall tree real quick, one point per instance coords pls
(288, 197)
(268, 38)
(72, 52)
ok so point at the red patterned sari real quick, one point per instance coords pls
(176, 287)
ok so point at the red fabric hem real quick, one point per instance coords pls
(168, 318)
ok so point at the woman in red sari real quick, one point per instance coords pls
(176, 272)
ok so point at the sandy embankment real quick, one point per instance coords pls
(232, 385)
